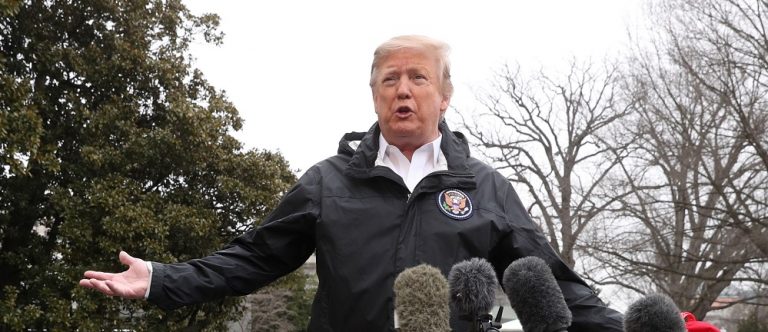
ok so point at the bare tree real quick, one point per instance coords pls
(544, 133)
(674, 196)
(672, 234)
(723, 44)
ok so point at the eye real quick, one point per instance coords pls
(388, 80)
(420, 78)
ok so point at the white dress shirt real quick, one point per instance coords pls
(425, 160)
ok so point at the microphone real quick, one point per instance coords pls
(655, 312)
(421, 300)
(472, 285)
(535, 296)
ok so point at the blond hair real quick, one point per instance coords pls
(419, 43)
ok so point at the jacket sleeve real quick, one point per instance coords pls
(281, 244)
(524, 238)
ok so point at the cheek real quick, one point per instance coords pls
(381, 97)
(377, 101)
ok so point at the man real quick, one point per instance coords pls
(405, 192)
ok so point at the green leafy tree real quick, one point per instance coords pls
(9, 7)
(110, 140)
(302, 288)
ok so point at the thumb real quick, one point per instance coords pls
(126, 259)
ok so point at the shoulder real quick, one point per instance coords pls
(478, 166)
(486, 175)
(492, 187)
(327, 167)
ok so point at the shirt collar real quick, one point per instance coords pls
(432, 147)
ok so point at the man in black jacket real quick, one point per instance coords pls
(403, 193)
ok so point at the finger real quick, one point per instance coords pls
(125, 258)
(98, 275)
(85, 283)
(101, 286)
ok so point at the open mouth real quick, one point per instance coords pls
(403, 110)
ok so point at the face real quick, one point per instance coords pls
(408, 98)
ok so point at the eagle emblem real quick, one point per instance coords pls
(455, 204)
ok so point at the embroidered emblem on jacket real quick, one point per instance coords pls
(455, 204)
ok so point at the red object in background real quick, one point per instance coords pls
(693, 325)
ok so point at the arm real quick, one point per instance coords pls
(524, 238)
(281, 244)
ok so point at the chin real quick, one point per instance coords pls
(405, 134)
(405, 128)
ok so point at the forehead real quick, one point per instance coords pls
(409, 58)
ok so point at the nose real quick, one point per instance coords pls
(404, 89)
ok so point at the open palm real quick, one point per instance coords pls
(131, 283)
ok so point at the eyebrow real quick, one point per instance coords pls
(410, 69)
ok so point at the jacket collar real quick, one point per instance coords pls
(454, 146)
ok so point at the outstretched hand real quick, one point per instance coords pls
(131, 283)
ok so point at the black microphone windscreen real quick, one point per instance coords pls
(472, 285)
(655, 312)
(535, 296)
(421, 300)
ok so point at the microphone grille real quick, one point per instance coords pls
(654, 312)
(421, 299)
(535, 295)
(472, 285)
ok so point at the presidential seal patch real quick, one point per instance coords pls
(455, 204)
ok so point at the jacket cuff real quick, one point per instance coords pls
(156, 295)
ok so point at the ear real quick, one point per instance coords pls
(373, 98)
(444, 104)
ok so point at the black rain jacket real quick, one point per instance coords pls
(365, 227)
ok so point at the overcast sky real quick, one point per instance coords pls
(298, 70)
